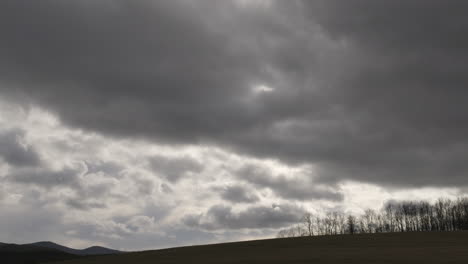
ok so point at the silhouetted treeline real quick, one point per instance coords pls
(405, 216)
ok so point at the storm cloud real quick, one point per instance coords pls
(366, 91)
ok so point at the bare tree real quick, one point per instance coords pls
(307, 221)
(319, 226)
(389, 214)
(368, 219)
(351, 224)
(341, 223)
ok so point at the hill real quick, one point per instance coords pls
(95, 250)
(30, 254)
(417, 247)
(45, 251)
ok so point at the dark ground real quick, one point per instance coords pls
(418, 247)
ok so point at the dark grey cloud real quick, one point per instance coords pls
(174, 168)
(370, 91)
(223, 217)
(159, 52)
(406, 89)
(14, 153)
(238, 194)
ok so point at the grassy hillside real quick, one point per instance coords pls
(433, 247)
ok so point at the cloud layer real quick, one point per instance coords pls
(373, 94)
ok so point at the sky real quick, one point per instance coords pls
(151, 124)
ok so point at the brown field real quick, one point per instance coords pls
(417, 247)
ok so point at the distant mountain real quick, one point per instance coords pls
(95, 250)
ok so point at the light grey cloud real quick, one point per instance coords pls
(302, 188)
(222, 217)
(173, 169)
(19, 224)
(101, 230)
(14, 153)
(47, 178)
(133, 240)
(108, 168)
(237, 194)
(80, 204)
(145, 186)
(165, 188)
(94, 190)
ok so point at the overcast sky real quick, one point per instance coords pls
(149, 124)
